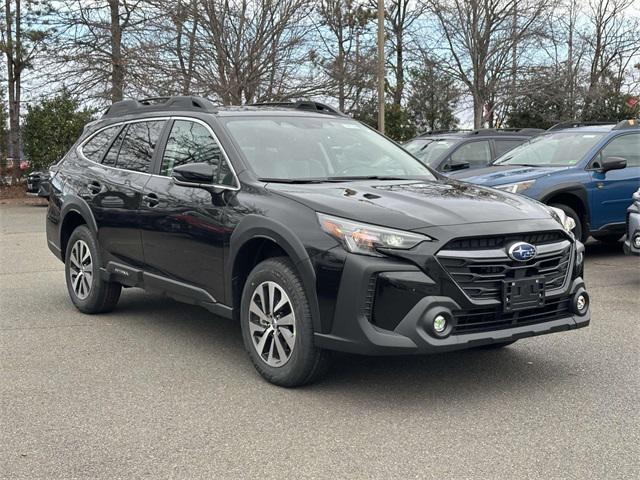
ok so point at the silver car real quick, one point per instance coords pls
(632, 241)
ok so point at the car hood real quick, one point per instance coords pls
(502, 174)
(410, 205)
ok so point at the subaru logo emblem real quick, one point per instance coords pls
(522, 251)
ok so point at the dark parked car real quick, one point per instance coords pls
(450, 151)
(312, 230)
(588, 171)
(38, 184)
(632, 241)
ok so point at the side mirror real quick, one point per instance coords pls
(459, 165)
(194, 175)
(613, 163)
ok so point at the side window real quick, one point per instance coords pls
(191, 142)
(112, 154)
(94, 148)
(476, 154)
(503, 146)
(138, 145)
(625, 146)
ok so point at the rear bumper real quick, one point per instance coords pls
(394, 314)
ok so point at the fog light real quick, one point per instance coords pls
(439, 324)
(581, 303)
(636, 241)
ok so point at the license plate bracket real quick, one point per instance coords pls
(522, 294)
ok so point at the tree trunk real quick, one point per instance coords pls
(14, 67)
(117, 64)
(397, 94)
(478, 112)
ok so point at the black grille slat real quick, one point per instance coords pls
(495, 319)
(482, 278)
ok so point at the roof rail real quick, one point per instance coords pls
(576, 124)
(626, 124)
(488, 131)
(301, 105)
(160, 104)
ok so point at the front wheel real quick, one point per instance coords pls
(277, 328)
(87, 290)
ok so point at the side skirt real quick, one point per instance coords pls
(180, 291)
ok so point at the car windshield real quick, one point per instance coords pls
(280, 148)
(435, 150)
(561, 149)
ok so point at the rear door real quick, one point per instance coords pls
(114, 188)
(611, 193)
(183, 228)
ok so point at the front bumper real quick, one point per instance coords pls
(387, 306)
(633, 231)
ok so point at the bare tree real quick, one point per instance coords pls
(478, 38)
(20, 41)
(250, 50)
(613, 42)
(345, 50)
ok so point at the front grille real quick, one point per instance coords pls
(489, 319)
(481, 272)
(499, 241)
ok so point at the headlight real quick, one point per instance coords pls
(366, 239)
(562, 218)
(515, 187)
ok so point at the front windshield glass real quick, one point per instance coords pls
(310, 148)
(435, 150)
(561, 149)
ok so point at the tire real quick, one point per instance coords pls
(497, 345)
(89, 293)
(288, 356)
(579, 232)
(608, 237)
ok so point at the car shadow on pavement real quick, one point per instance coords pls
(456, 376)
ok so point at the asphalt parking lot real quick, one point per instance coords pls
(158, 389)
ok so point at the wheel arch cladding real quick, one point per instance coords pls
(75, 212)
(574, 196)
(258, 238)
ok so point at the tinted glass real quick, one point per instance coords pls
(476, 154)
(299, 148)
(112, 155)
(191, 142)
(138, 145)
(504, 146)
(94, 148)
(625, 146)
(561, 149)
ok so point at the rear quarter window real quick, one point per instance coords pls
(95, 148)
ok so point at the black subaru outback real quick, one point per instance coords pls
(312, 230)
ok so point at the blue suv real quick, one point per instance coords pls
(588, 171)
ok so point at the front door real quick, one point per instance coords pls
(611, 192)
(183, 227)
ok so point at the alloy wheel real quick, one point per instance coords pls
(272, 324)
(81, 269)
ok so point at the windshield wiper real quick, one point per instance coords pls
(293, 180)
(373, 177)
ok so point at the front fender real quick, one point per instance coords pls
(255, 226)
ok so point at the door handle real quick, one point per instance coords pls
(94, 187)
(151, 199)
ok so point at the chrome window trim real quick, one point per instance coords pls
(151, 119)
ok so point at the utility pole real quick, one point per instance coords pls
(381, 66)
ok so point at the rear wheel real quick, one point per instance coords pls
(88, 292)
(276, 325)
(579, 231)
